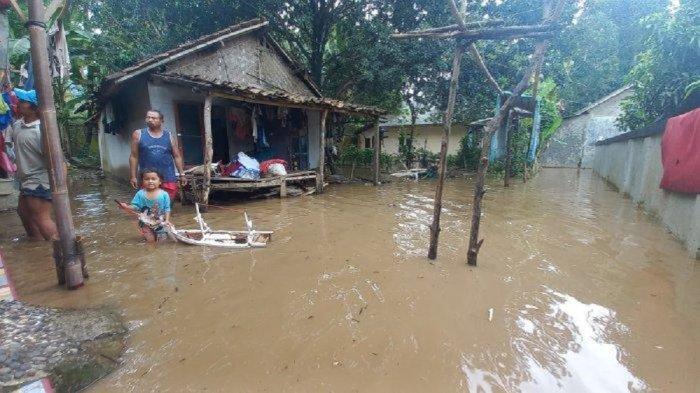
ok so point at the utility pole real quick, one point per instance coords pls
(68, 262)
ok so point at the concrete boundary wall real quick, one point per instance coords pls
(634, 167)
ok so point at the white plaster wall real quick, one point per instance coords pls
(634, 166)
(314, 134)
(164, 97)
(428, 137)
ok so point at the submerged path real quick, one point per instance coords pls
(577, 290)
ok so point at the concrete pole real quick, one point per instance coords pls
(52, 143)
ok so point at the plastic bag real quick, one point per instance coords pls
(277, 170)
(248, 162)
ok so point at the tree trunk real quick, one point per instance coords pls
(442, 168)
(509, 150)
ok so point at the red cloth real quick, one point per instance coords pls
(171, 188)
(265, 165)
(680, 153)
(227, 170)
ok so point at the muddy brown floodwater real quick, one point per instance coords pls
(577, 290)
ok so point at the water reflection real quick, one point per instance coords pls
(559, 344)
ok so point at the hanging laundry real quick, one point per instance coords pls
(11, 99)
(29, 82)
(5, 163)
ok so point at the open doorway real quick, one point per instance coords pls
(219, 134)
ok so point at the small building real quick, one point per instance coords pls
(235, 90)
(573, 141)
(428, 134)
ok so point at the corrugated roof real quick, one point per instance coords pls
(268, 96)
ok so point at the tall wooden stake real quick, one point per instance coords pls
(321, 154)
(491, 127)
(52, 143)
(377, 151)
(208, 150)
(442, 168)
(509, 150)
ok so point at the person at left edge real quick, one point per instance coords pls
(35, 202)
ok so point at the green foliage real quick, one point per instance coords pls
(550, 117)
(667, 71)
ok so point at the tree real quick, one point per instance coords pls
(667, 71)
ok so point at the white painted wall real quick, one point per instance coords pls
(428, 137)
(164, 97)
(634, 166)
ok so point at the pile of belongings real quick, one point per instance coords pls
(246, 167)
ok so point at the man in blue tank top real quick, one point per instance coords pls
(155, 147)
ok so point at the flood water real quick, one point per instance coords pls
(577, 290)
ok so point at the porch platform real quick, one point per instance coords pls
(235, 184)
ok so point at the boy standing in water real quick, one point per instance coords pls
(153, 204)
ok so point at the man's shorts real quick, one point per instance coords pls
(171, 188)
(39, 192)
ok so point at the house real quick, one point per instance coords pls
(573, 141)
(235, 90)
(428, 133)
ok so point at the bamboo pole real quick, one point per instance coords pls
(320, 175)
(480, 62)
(52, 143)
(208, 150)
(488, 33)
(509, 150)
(377, 151)
(442, 168)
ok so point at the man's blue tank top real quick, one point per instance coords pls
(157, 153)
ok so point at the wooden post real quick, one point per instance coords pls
(442, 166)
(320, 175)
(52, 145)
(509, 150)
(377, 151)
(283, 186)
(208, 151)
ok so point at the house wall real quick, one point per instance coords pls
(634, 166)
(115, 149)
(246, 60)
(574, 140)
(164, 97)
(428, 137)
